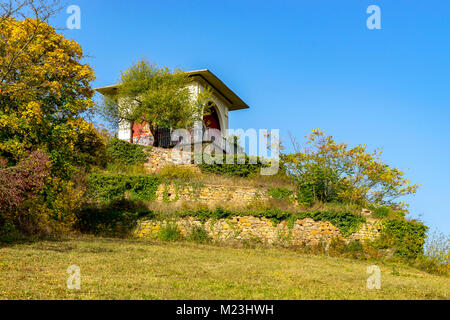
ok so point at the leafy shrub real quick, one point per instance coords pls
(163, 98)
(388, 212)
(132, 170)
(199, 234)
(354, 246)
(408, 237)
(177, 172)
(125, 153)
(8, 231)
(352, 249)
(110, 187)
(245, 169)
(280, 193)
(33, 202)
(337, 246)
(319, 185)
(306, 193)
(436, 257)
(327, 171)
(169, 232)
(60, 201)
(22, 182)
(381, 212)
(115, 219)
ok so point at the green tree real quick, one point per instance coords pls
(159, 96)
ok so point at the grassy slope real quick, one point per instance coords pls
(136, 269)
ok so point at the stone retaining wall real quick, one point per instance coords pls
(160, 157)
(211, 194)
(245, 228)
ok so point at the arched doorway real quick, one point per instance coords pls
(211, 120)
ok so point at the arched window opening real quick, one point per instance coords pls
(211, 120)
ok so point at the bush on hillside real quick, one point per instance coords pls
(22, 182)
(169, 232)
(198, 234)
(125, 153)
(381, 212)
(34, 203)
(407, 237)
(436, 257)
(113, 187)
(327, 171)
(280, 193)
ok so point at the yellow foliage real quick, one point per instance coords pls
(44, 91)
(348, 174)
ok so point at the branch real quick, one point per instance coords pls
(41, 11)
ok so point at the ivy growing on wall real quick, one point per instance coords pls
(346, 222)
(242, 166)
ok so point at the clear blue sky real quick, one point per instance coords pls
(303, 65)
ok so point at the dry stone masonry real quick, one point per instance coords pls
(210, 194)
(160, 157)
(249, 228)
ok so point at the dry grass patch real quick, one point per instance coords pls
(138, 269)
(192, 175)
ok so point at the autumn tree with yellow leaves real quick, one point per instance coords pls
(328, 171)
(45, 91)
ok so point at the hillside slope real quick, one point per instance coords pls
(138, 269)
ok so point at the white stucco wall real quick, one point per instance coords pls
(124, 127)
(124, 131)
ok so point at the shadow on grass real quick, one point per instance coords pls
(113, 219)
(14, 239)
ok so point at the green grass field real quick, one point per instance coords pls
(137, 269)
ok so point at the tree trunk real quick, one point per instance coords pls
(154, 130)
